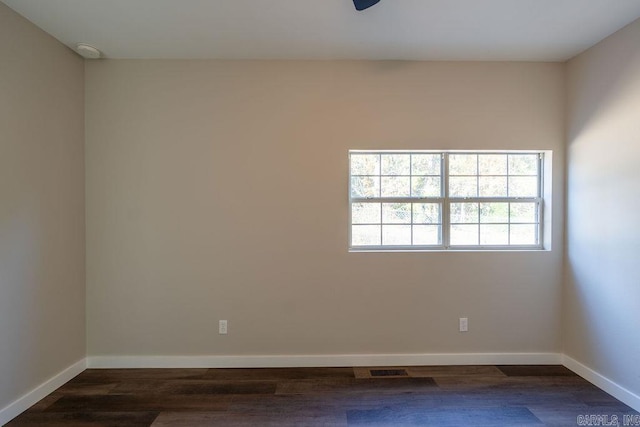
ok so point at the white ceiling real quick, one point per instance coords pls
(521, 30)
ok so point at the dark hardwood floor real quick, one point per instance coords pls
(397, 396)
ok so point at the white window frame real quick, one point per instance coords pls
(445, 202)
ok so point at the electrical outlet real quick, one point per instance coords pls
(464, 324)
(222, 327)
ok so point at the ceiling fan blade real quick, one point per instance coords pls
(363, 4)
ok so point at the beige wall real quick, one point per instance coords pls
(42, 294)
(218, 190)
(602, 301)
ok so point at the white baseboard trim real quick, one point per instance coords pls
(622, 394)
(25, 402)
(330, 360)
(334, 360)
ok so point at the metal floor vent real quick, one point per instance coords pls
(388, 372)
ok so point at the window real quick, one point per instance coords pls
(445, 200)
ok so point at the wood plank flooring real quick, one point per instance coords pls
(395, 396)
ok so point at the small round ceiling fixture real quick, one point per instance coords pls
(88, 51)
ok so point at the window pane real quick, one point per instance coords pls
(464, 213)
(491, 186)
(523, 164)
(523, 212)
(463, 186)
(522, 234)
(463, 164)
(365, 213)
(398, 199)
(523, 186)
(464, 234)
(365, 235)
(425, 186)
(426, 235)
(365, 164)
(396, 186)
(396, 234)
(425, 164)
(365, 186)
(426, 213)
(492, 164)
(396, 164)
(494, 213)
(494, 234)
(396, 213)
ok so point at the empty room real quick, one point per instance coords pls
(319, 213)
